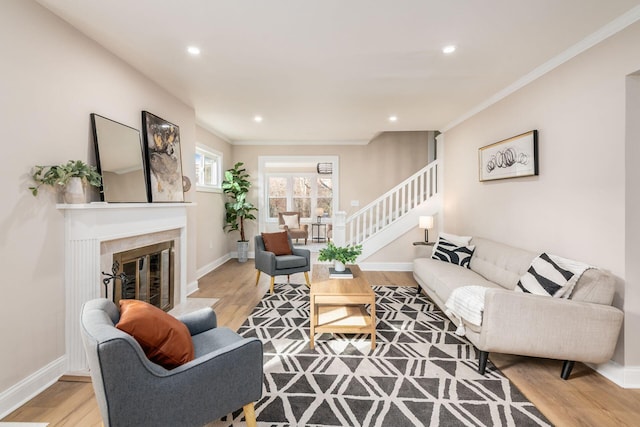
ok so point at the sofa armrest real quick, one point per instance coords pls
(302, 252)
(200, 320)
(555, 328)
(265, 261)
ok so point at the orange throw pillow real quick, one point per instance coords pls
(164, 339)
(278, 243)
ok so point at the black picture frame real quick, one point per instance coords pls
(163, 157)
(120, 160)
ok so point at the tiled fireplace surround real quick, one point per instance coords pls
(93, 233)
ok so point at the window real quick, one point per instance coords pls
(302, 196)
(324, 198)
(208, 169)
(303, 193)
(277, 195)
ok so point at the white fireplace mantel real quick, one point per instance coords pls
(86, 227)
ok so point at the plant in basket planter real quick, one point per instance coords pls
(236, 185)
(340, 254)
(71, 177)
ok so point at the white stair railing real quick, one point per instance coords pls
(393, 205)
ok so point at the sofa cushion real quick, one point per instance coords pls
(500, 263)
(164, 339)
(290, 261)
(291, 221)
(278, 243)
(595, 286)
(453, 238)
(448, 251)
(545, 277)
(443, 277)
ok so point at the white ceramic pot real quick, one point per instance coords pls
(338, 266)
(74, 191)
(243, 251)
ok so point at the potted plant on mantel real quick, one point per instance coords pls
(70, 177)
(341, 255)
(236, 185)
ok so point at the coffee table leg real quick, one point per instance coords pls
(312, 321)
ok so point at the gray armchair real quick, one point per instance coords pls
(267, 262)
(225, 375)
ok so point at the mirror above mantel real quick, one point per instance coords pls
(120, 161)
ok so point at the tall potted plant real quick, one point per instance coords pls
(236, 185)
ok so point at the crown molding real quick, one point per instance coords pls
(615, 26)
(311, 142)
(217, 133)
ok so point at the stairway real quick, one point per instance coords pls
(393, 213)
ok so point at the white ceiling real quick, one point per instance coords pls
(335, 70)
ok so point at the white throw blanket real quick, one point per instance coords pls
(466, 302)
(576, 267)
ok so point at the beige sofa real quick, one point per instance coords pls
(583, 328)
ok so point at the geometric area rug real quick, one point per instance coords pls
(419, 374)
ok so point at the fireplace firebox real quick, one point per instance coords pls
(145, 274)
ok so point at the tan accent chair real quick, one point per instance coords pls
(297, 232)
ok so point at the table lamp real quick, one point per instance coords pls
(426, 222)
(319, 214)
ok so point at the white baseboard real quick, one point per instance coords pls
(192, 287)
(385, 266)
(212, 266)
(250, 255)
(624, 376)
(18, 394)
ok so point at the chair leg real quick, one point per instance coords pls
(273, 279)
(306, 277)
(249, 415)
(482, 361)
(258, 277)
(567, 366)
(288, 278)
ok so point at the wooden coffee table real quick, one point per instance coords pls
(337, 306)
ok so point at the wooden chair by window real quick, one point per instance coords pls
(290, 221)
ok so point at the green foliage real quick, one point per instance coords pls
(236, 185)
(61, 174)
(345, 254)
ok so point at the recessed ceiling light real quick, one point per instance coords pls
(193, 50)
(257, 119)
(449, 49)
(393, 118)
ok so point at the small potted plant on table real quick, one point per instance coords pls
(341, 255)
(70, 177)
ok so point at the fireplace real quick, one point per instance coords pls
(145, 274)
(94, 233)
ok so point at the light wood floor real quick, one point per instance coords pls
(586, 399)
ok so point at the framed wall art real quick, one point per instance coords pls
(510, 158)
(162, 148)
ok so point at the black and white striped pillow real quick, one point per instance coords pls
(450, 252)
(545, 277)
